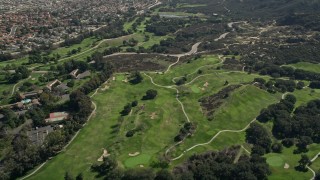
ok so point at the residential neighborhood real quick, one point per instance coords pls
(25, 25)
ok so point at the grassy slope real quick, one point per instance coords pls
(287, 156)
(240, 109)
(307, 66)
(97, 134)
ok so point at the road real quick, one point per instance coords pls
(13, 31)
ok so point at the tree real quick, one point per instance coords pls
(300, 85)
(108, 168)
(126, 109)
(163, 174)
(288, 142)
(317, 176)
(68, 176)
(303, 142)
(277, 147)
(256, 134)
(139, 173)
(303, 162)
(136, 78)
(79, 176)
(150, 94)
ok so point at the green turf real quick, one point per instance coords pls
(141, 159)
(307, 66)
(316, 165)
(275, 161)
(305, 95)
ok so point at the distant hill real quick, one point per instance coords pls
(255, 9)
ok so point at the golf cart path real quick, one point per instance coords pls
(215, 136)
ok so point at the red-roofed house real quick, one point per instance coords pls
(57, 117)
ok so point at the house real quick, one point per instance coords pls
(30, 94)
(57, 117)
(38, 135)
(74, 73)
(77, 75)
(53, 84)
(63, 87)
(84, 75)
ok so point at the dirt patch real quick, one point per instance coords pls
(153, 115)
(125, 80)
(211, 103)
(104, 154)
(134, 154)
(105, 88)
(140, 62)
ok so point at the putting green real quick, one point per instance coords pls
(141, 159)
(275, 161)
(121, 77)
(195, 89)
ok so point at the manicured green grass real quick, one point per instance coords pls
(275, 160)
(84, 45)
(305, 95)
(239, 109)
(99, 132)
(142, 159)
(128, 25)
(307, 66)
(316, 165)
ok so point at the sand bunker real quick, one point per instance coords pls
(113, 78)
(105, 88)
(134, 154)
(286, 166)
(206, 84)
(126, 80)
(105, 154)
(153, 115)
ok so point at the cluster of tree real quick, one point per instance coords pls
(135, 25)
(131, 42)
(112, 30)
(150, 94)
(257, 135)
(5, 57)
(222, 165)
(35, 57)
(279, 85)
(315, 84)
(69, 66)
(78, 39)
(300, 128)
(110, 170)
(163, 26)
(74, 51)
(135, 77)
(187, 130)
(20, 73)
(307, 20)
(111, 50)
(10, 119)
(181, 81)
